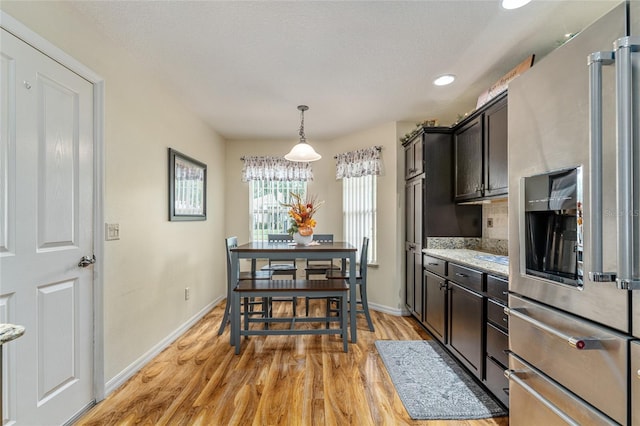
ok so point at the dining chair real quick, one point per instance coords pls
(318, 266)
(361, 282)
(282, 267)
(249, 304)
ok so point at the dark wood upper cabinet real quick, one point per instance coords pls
(481, 153)
(413, 157)
(468, 160)
(496, 138)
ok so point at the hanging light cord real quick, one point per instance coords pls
(302, 109)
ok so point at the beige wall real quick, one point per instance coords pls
(385, 284)
(146, 271)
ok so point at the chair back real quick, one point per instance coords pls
(279, 238)
(364, 253)
(230, 242)
(323, 238)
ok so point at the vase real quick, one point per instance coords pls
(303, 240)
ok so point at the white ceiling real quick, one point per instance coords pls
(245, 66)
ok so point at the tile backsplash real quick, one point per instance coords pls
(495, 214)
(495, 238)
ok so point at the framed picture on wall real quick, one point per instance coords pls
(187, 187)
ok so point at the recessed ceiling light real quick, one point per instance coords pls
(443, 80)
(514, 4)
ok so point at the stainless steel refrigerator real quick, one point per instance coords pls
(574, 229)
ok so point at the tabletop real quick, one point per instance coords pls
(259, 246)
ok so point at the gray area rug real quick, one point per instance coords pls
(431, 385)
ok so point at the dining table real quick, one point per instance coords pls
(290, 250)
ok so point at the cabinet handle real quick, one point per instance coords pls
(505, 293)
(458, 274)
(433, 264)
(443, 286)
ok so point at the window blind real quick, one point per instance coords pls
(359, 212)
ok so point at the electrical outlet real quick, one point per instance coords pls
(187, 293)
(112, 231)
(490, 222)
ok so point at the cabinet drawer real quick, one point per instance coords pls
(435, 265)
(498, 287)
(496, 315)
(497, 383)
(497, 344)
(466, 277)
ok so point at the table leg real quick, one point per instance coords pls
(343, 321)
(235, 322)
(233, 281)
(352, 297)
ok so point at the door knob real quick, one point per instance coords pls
(86, 261)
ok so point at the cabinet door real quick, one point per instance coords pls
(413, 211)
(413, 158)
(435, 312)
(465, 330)
(413, 280)
(496, 173)
(418, 286)
(409, 278)
(468, 161)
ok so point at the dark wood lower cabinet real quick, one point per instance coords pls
(463, 309)
(466, 326)
(414, 295)
(495, 380)
(497, 338)
(435, 308)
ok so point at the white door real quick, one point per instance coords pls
(46, 227)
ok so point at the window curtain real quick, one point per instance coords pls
(363, 162)
(275, 168)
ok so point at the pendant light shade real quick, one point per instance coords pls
(302, 151)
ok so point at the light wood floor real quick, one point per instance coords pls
(276, 380)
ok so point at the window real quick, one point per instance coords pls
(359, 212)
(268, 216)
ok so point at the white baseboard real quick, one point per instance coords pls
(389, 310)
(133, 368)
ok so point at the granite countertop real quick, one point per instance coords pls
(488, 262)
(9, 332)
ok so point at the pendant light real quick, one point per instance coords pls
(302, 151)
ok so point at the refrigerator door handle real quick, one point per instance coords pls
(579, 343)
(512, 375)
(628, 165)
(595, 61)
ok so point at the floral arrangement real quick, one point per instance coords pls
(301, 213)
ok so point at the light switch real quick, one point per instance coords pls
(112, 231)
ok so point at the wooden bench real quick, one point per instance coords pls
(289, 288)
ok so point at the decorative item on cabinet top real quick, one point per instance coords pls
(426, 123)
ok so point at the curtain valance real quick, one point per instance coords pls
(275, 168)
(362, 162)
